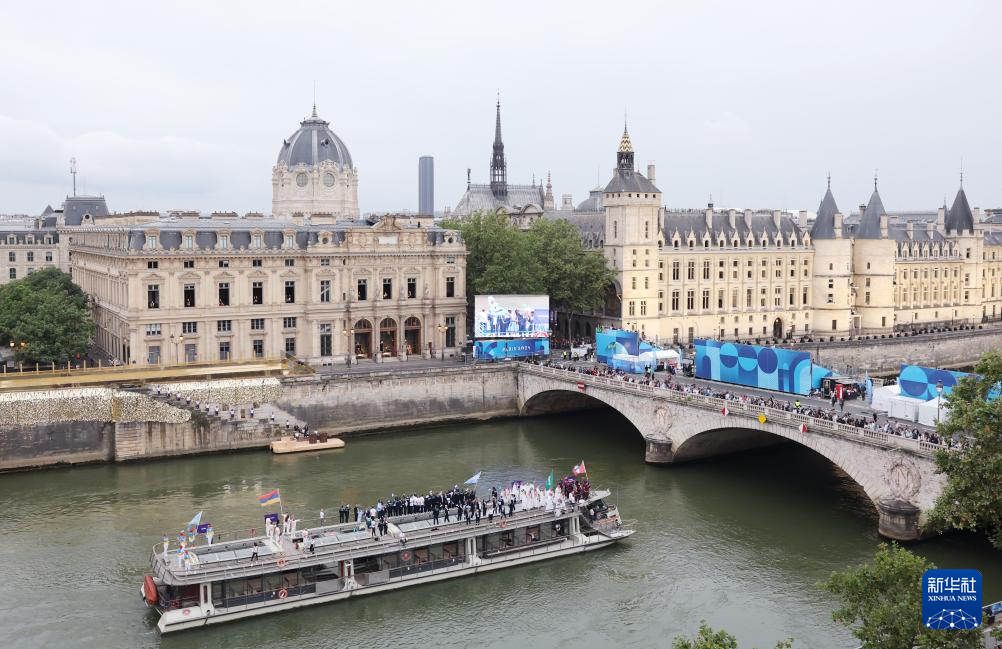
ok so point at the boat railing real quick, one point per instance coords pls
(815, 424)
(344, 550)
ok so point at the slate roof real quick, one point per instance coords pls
(869, 224)
(75, 207)
(824, 222)
(312, 144)
(593, 203)
(627, 180)
(960, 218)
(993, 238)
(480, 198)
(685, 222)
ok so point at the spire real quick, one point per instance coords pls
(829, 181)
(499, 168)
(624, 155)
(625, 146)
(959, 217)
(869, 222)
(824, 222)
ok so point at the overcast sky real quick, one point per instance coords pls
(185, 105)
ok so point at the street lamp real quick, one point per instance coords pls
(441, 330)
(939, 398)
(180, 339)
(349, 335)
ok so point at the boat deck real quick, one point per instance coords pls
(232, 559)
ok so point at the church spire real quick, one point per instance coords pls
(624, 156)
(499, 168)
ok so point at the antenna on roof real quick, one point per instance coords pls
(874, 180)
(961, 172)
(73, 171)
(829, 179)
(314, 98)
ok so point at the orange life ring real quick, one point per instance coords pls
(186, 612)
(150, 590)
(282, 594)
(503, 523)
(282, 562)
(405, 555)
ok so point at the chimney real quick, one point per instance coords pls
(732, 218)
(930, 228)
(748, 215)
(838, 225)
(883, 226)
(941, 217)
(802, 218)
(777, 219)
(910, 229)
(566, 203)
(709, 216)
(650, 171)
(862, 208)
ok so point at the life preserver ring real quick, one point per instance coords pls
(186, 612)
(150, 591)
(503, 523)
(405, 555)
(282, 562)
(282, 594)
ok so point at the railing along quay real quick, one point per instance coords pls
(815, 425)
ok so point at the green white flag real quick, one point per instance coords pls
(549, 481)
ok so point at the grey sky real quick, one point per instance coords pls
(185, 105)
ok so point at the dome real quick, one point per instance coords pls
(591, 204)
(312, 144)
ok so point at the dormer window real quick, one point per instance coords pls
(151, 241)
(257, 241)
(224, 241)
(189, 241)
(289, 240)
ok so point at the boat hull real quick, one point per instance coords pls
(289, 445)
(176, 620)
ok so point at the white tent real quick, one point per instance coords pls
(660, 357)
(927, 411)
(882, 396)
(888, 399)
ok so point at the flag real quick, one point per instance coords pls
(803, 428)
(271, 497)
(549, 481)
(579, 468)
(724, 411)
(193, 524)
(474, 478)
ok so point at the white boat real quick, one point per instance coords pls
(292, 445)
(254, 576)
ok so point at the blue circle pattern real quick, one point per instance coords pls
(767, 360)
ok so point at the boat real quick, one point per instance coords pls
(254, 576)
(310, 443)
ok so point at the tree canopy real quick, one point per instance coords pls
(707, 638)
(971, 499)
(547, 258)
(882, 604)
(47, 311)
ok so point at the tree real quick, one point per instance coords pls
(971, 499)
(882, 604)
(575, 278)
(707, 638)
(49, 312)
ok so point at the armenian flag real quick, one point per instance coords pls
(271, 497)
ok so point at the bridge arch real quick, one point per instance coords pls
(558, 400)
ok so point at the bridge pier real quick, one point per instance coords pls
(659, 452)
(899, 520)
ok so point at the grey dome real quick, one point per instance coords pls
(313, 143)
(591, 204)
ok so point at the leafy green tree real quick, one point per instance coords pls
(47, 311)
(707, 638)
(971, 499)
(882, 604)
(575, 278)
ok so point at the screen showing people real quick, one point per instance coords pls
(512, 316)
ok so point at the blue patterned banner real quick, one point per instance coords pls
(498, 349)
(769, 368)
(919, 382)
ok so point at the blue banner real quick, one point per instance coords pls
(769, 368)
(610, 342)
(500, 349)
(919, 382)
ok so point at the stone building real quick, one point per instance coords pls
(762, 275)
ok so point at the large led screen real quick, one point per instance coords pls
(770, 368)
(610, 342)
(511, 316)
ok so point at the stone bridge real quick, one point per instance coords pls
(897, 474)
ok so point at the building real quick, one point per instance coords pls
(426, 185)
(523, 203)
(314, 280)
(314, 175)
(761, 275)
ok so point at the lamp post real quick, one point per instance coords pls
(939, 398)
(349, 336)
(441, 330)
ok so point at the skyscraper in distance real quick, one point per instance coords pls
(426, 185)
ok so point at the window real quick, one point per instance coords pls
(224, 241)
(706, 270)
(325, 290)
(188, 263)
(189, 295)
(690, 300)
(866, 299)
(189, 327)
(258, 347)
(224, 263)
(632, 308)
(647, 283)
(256, 263)
(325, 261)
(290, 291)
(150, 265)
(834, 325)
(153, 296)
(189, 242)
(153, 355)
(643, 307)
(450, 331)
(151, 241)
(325, 339)
(289, 240)
(831, 283)
(674, 270)
(257, 292)
(691, 270)
(615, 229)
(720, 299)
(362, 290)
(387, 288)
(153, 329)
(289, 263)
(647, 230)
(412, 287)
(706, 299)
(224, 350)
(748, 298)
(804, 297)
(674, 300)
(31, 257)
(12, 273)
(290, 346)
(223, 291)
(224, 326)
(257, 241)
(12, 257)
(257, 324)
(450, 287)
(289, 323)
(633, 282)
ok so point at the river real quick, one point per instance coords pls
(739, 541)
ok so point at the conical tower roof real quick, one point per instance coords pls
(869, 224)
(824, 222)
(960, 217)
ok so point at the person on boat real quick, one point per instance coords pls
(322, 517)
(403, 539)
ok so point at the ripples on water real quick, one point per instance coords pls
(739, 541)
